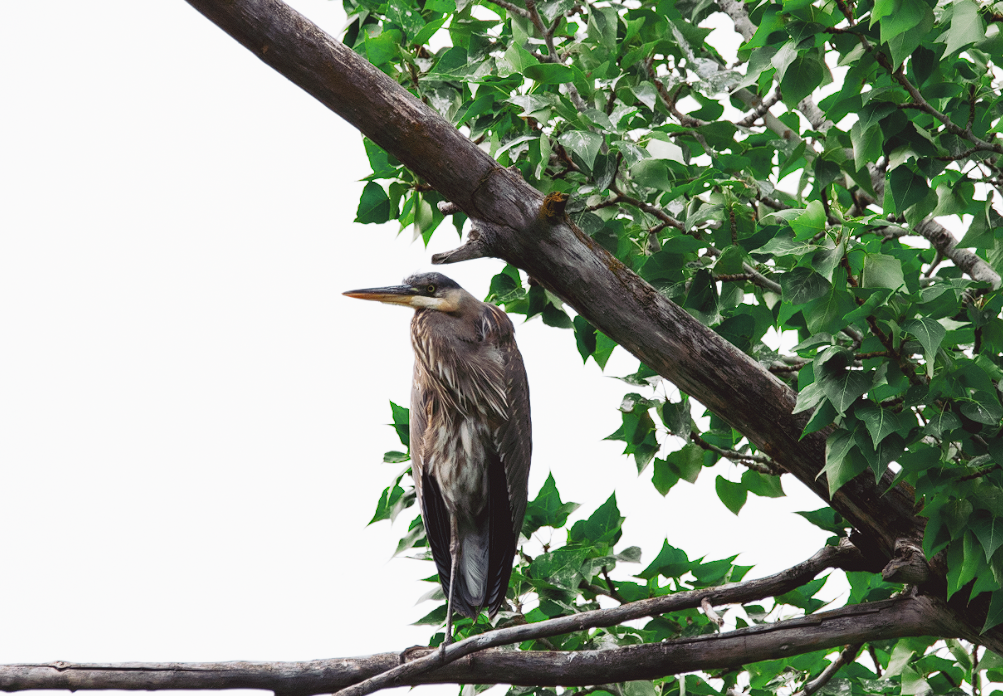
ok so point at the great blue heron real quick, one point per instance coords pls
(470, 437)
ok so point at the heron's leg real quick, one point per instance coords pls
(454, 554)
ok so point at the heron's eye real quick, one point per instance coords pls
(430, 289)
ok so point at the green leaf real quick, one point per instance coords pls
(809, 397)
(994, 617)
(804, 597)
(972, 563)
(383, 166)
(880, 422)
(802, 285)
(810, 222)
(547, 509)
(383, 48)
(904, 44)
(585, 337)
(585, 144)
(881, 271)
(602, 28)
(983, 408)
(907, 188)
(685, 463)
(827, 519)
(733, 495)
(897, 16)
(828, 313)
(670, 563)
(804, 74)
(930, 333)
(966, 27)
(402, 423)
(603, 527)
(763, 485)
(549, 73)
(388, 501)
(663, 478)
(604, 348)
(374, 206)
(429, 29)
(988, 529)
(867, 143)
(515, 60)
(845, 387)
(843, 460)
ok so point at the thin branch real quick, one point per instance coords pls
(708, 610)
(648, 208)
(612, 588)
(760, 110)
(848, 655)
(756, 462)
(511, 9)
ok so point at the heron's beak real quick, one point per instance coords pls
(394, 294)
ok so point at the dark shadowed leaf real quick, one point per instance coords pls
(374, 206)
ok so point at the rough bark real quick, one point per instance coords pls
(514, 224)
(895, 618)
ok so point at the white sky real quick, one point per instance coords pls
(191, 414)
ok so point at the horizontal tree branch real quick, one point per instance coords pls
(894, 618)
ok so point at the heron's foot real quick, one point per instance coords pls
(448, 640)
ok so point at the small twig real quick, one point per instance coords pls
(647, 207)
(612, 588)
(711, 614)
(757, 113)
(734, 277)
(976, 674)
(844, 658)
(511, 9)
(757, 462)
(874, 656)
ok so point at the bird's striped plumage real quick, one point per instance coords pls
(471, 438)
(470, 445)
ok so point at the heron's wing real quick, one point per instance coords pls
(433, 507)
(513, 443)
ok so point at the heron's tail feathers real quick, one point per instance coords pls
(470, 593)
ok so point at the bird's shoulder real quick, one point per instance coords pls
(494, 325)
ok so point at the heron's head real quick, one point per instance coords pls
(420, 291)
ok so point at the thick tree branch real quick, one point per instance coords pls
(894, 618)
